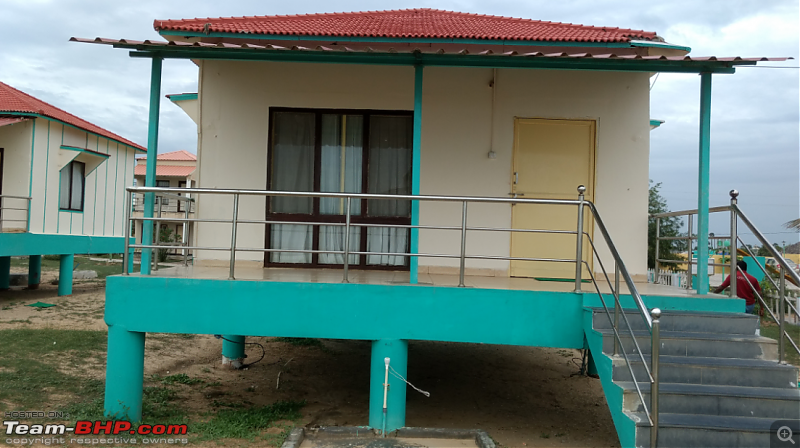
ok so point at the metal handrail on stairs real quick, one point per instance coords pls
(785, 271)
(651, 318)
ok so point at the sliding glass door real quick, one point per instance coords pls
(339, 152)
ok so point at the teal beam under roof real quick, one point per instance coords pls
(182, 97)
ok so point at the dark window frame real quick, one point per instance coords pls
(315, 215)
(69, 192)
(181, 184)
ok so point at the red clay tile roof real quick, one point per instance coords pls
(175, 156)
(16, 101)
(166, 171)
(407, 23)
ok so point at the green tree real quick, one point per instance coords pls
(669, 227)
(764, 252)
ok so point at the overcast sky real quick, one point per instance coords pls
(754, 128)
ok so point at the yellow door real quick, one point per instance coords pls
(551, 158)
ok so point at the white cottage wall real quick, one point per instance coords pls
(457, 135)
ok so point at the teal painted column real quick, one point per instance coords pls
(65, 275)
(232, 348)
(5, 273)
(150, 169)
(124, 374)
(34, 271)
(130, 259)
(415, 172)
(702, 184)
(397, 352)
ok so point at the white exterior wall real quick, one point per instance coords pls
(15, 139)
(457, 135)
(103, 211)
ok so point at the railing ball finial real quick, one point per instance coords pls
(655, 313)
(734, 194)
(581, 189)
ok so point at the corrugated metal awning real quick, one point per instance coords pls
(438, 55)
(4, 121)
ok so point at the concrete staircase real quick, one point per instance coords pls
(720, 384)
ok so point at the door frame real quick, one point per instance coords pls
(592, 173)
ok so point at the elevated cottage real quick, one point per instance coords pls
(413, 175)
(62, 186)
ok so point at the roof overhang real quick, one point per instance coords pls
(428, 56)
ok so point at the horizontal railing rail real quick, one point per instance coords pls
(621, 272)
(14, 212)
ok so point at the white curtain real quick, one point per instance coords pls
(292, 170)
(390, 143)
(341, 170)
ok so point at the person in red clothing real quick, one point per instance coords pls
(743, 290)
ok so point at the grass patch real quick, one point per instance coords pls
(180, 378)
(246, 423)
(25, 379)
(82, 263)
(770, 329)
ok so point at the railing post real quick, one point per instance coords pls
(734, 194)
(28, 213)
(463, 244)
(655, 339)
(579, 240)
(157, 231)
(127, 233)
(185, 239)
(346, 261)
(658, 245)
(689, 254)
(234, 225)
(616, 306)
(782, 317)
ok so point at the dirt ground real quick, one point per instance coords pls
(522, 397)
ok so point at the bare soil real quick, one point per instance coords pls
(521, 396)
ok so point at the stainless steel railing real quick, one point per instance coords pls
(736, 241)
(15, 212)
(651, 318)
(160, 200)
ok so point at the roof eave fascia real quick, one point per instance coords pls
(45, 117)
(405, 59)
(654, 44)
(318, 38)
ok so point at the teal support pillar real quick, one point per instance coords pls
(416, 163)
(232, 350)
(130, 260)
(34, 271)
(150, 169)
(5, 273)
(124, 374)
(65, 275)
(703, 184)
(397, 352)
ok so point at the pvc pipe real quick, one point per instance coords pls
(385, 395)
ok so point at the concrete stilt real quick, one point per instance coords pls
(34, 271)
(124, 374)
(65, 275)
(397, 352)
(5, 273)
(233, 350)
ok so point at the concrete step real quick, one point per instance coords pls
(695, 322)
(692, 430)
(714, 345)
(711, 371)
(761, 402)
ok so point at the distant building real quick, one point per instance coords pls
(62, 185)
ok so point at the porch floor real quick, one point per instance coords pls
(375, 277)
